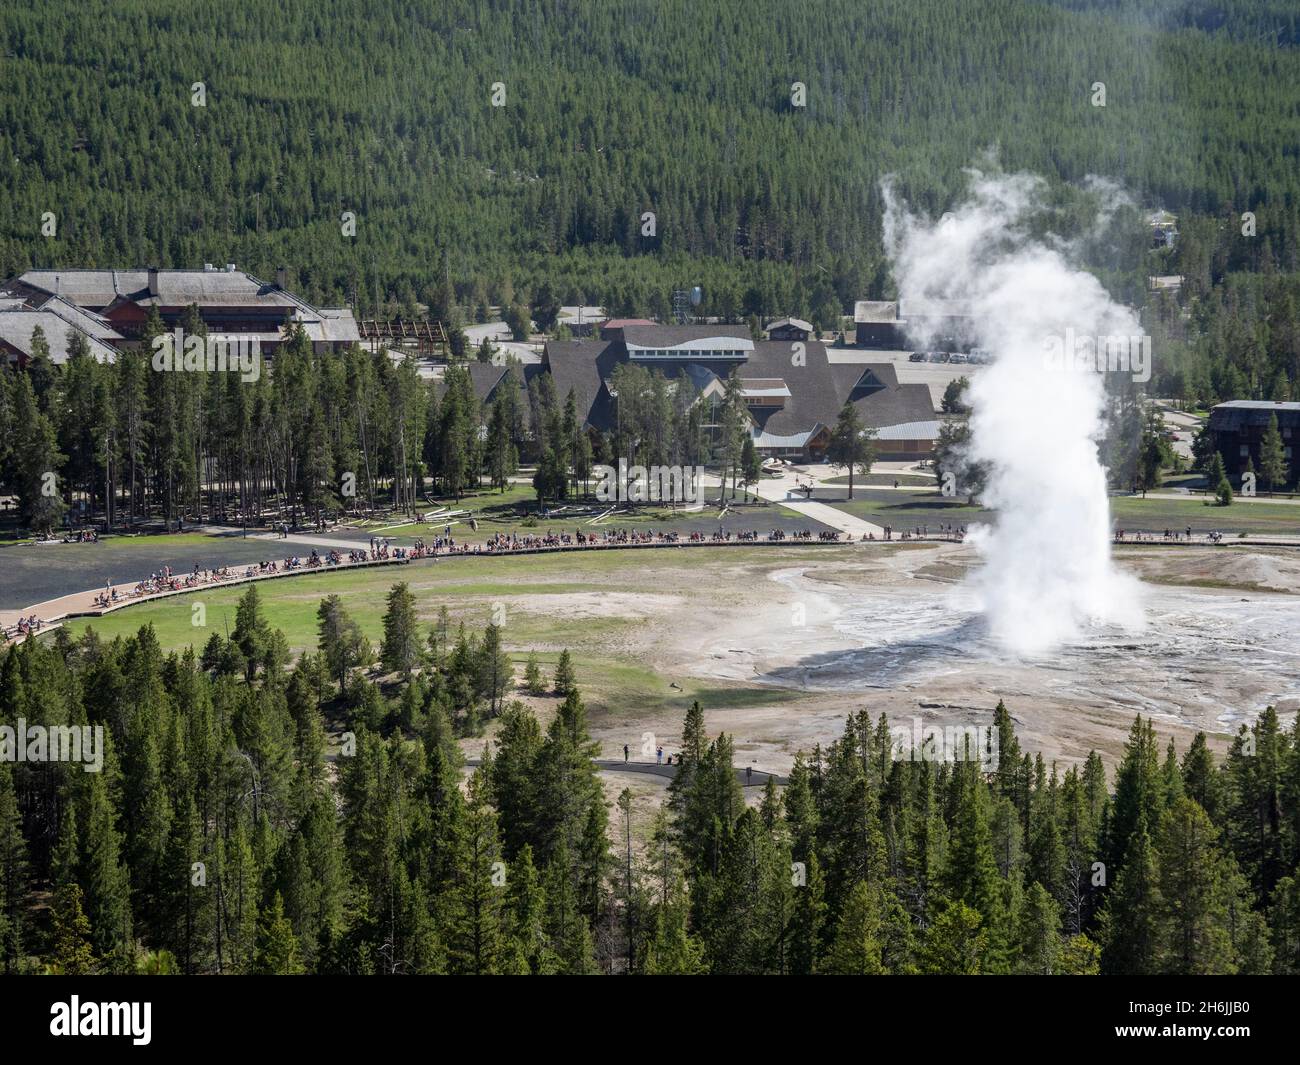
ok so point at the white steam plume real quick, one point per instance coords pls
(1047, 574)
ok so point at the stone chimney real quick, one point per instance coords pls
(153, 281)
(281, 277)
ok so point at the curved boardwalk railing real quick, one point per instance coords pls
(51, 619)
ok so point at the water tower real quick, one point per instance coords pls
(683, 301)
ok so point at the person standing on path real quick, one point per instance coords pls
(625, 754)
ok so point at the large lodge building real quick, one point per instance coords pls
(943, 324)
(792, 387)
(109, 307)
(1238, 427)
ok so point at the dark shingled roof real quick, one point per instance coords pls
(848, 374)
(1242, 414)
(818, 389)
(485, 377)
(896, 406)
(583, 366)
(177, 288)
(17, 325)
(814, 395)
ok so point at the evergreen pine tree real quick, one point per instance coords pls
(1132, 931)
(533, 682)
(401, 647)
(476, 930)
(277, 947)
(1196, 890)
(1272, 457)
(855, 949)
(73, 955)
(1040, 933)
(954, 943)
(13, 873)
(565, 680)
(851, 444)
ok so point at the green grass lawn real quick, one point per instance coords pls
(906, 509)
(469, 587)
(903, 510)
(122, 543)
(1261, 518)
(1183, 480)
(613, 678)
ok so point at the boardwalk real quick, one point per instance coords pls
(82, 604)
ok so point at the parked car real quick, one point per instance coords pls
(957, 356)
(916, 356)
(979, 356)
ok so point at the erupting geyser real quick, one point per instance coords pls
(1036, 417)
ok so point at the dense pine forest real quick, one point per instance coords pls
(610, 110)
(176, 134)
(131, 445)
(220, 838)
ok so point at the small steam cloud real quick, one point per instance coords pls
(1047, 573)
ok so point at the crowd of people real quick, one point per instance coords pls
(166, 580)
(955, 533)
(1172, 536)
(506, 542)
(777, 535)
(25, 627)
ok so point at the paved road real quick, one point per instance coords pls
(311, 540)
(785, 490)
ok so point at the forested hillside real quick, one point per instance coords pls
(611, 109)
